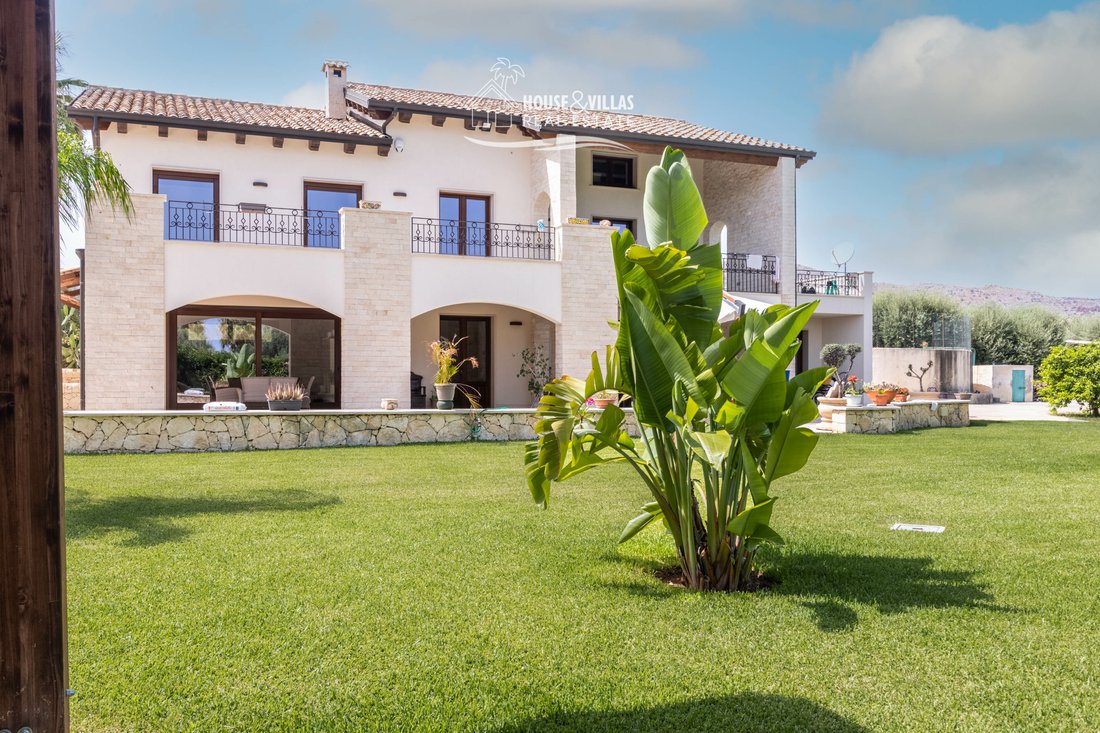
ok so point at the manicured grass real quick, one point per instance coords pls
(418, 588)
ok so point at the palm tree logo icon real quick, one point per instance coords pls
(505, 72)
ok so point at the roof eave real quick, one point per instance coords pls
(262, 130)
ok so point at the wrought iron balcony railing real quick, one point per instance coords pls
(478, 239)
(251, 224)
(823, 282)
(740, 278)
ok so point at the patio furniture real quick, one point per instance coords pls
(227, 394)
(254, 389)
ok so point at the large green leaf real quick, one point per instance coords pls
(651, 511)
(686, 286)
(672, 205)
(659, 362)
(791, 443)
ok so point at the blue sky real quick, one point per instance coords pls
(957, 142)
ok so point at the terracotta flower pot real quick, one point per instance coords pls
(901, 397)
(882, 399)
(602, 402)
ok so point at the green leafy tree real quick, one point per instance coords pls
(1023, 335)
(1072, 374)
(85, 175)
(719, 422)
(909, 320)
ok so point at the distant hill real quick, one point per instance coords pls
(1007, 297)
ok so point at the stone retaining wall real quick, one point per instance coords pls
(192, 431)
(901, 416)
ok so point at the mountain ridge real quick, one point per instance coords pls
(1008, 297)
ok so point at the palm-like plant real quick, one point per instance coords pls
(719, 421)
(85, 175)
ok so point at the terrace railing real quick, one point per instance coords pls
(478, 239)
(251, 224)
(824, 282)
(740, 278)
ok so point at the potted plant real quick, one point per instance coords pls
(902, 395)
(444, 354)
(853, 393)
(535, 368)
(284, 397)
(604, 398)
(882, 393)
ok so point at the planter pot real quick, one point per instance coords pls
(284, 405)
(854, 400)
(445, 396)
(881, 399)
(826, 405)
(601, 402)
(963, 395)
(901, 397)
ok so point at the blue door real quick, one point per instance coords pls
(1019, 381)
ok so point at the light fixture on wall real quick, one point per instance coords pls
(260, 184)
(399, 144)
(400, 194)
(515, 323)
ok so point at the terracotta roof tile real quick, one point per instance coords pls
(569, 118)
(224, 111)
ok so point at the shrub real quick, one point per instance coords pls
(719, 422)
(909, 320)
(1023, 335)
(1072, 374)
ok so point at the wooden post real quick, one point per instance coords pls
(32, 550)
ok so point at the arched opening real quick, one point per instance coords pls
(511, 345)
(719, 234)
(243, 347)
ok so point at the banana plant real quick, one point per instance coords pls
(719, 422)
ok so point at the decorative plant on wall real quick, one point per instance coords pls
(241, 363)
(535, 368)
(835, 355)
(910, 372)
(719, 422)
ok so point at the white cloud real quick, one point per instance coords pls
(938, 85)
(1028, 221)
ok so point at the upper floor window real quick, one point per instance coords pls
(192, 208)
(323, 202)
(464, 224)
(608, 170)
(620, 224)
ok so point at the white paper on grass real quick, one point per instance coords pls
(934, 528)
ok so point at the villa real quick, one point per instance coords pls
(334, 244)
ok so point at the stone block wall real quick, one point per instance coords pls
(123, 306)
(901, 416)
(376, 333)
(589, 298)
(192, 431)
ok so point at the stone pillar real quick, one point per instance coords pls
(376, 337)
(123, 307)
(785, 175)
(554, 173)
(589, 298)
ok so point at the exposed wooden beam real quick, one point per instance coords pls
(33, 667)
(123, 128)
(162, 130)
(404, 116)
(702, 154)
(314, 145)
(503, 128)
(349, 148)
(202, 135)
(378, 114)
(384, 150)
(438, 120)
(276, 142)
(468, 122)
(240, 137)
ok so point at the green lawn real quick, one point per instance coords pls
(418, 588)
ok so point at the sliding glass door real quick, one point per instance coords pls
(463, 224)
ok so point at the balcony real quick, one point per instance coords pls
(824, 282)
(251, 224)
(478, 239)
(740, 278)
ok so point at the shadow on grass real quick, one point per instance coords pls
(746, 712)
(153, 520)
(828, 582)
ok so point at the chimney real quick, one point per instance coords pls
(336, 73)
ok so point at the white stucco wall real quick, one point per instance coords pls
(441, 280)
(434, 160)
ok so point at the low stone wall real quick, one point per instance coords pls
(901, 416)
(192, 431)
